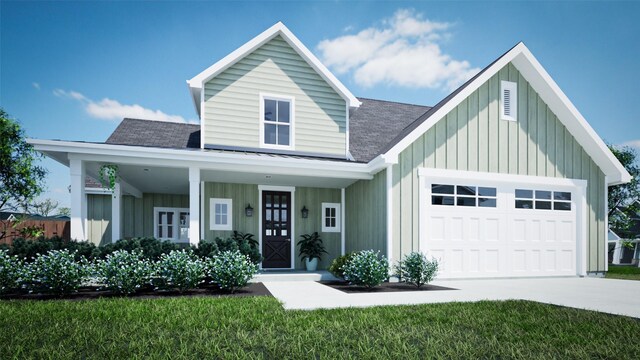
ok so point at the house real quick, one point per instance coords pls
(620, 254)
(502, 178)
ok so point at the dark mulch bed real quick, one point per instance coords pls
(93, 292)
(384, 287)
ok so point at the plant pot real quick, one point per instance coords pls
(312, 264)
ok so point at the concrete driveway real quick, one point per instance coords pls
(612, 296)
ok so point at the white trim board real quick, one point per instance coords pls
(196, 84)
(550, 93)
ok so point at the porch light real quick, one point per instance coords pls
(248, 211)
(305, 212)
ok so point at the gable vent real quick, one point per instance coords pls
(508, 100)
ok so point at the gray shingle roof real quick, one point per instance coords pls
(152, 133)
(375, 123)
(371, 127)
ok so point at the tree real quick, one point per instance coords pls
(45, 207)
(20, 178)
(624, 199)
(64, 211)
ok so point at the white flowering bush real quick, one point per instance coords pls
(10, 272)
(231, 270)
(124, 272)
(180, 270)
(56, 272)
(415, 268)
(366, 268)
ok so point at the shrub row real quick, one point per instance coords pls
(369, 269)
(150, 248)
(123, 272)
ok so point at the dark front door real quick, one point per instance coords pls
(276, 229)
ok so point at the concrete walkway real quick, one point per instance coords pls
(620, 297)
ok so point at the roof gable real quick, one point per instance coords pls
(197, 82)
(549, 92)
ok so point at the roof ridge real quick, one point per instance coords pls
(393, 102)
(159, 121)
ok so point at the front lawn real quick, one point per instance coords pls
(258, 327)
(625, 272)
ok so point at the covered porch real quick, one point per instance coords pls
(191, 195)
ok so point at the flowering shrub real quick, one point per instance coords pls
(179, 269)
(56, 272)
(124, 272)
(416, 269)
(231, 270)
(10, 270)
(366, 268)
(336, 265)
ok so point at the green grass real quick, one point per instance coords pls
(624, 272)
(258, 327)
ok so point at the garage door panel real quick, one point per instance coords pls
(437, 226)
(502, 241)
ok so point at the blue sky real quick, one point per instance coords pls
(70, 70)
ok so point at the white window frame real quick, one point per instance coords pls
(212, 214)
(176, 225)
(512, 87)
(335, 228)
(292, 108)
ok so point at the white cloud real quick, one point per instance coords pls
(403, 51)
(632, 143)
(109, 109)
(35, 85)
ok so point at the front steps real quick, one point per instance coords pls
(292, 275)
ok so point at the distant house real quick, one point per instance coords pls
(501, 178)
(622, 254)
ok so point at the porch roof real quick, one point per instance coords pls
(162, 170)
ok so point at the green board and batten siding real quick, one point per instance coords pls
(472, 137)
(232, 101)
(99, 219)
(313, 198)
(366, 209)
(245, 194)
(242, 195)
(137, 214)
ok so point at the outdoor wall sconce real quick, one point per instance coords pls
(248, 211)
(305, 212)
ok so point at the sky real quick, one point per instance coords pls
(72, 70)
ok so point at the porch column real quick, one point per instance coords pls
(617, 253)
(343, 226)
(78, 199)
(194, 206)
(116, 208)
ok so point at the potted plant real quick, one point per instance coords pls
(311, 250)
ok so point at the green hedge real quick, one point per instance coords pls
(150, 248)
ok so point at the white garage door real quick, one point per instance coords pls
(487, 229)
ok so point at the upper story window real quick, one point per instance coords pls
(276, 121)
(508, 100)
